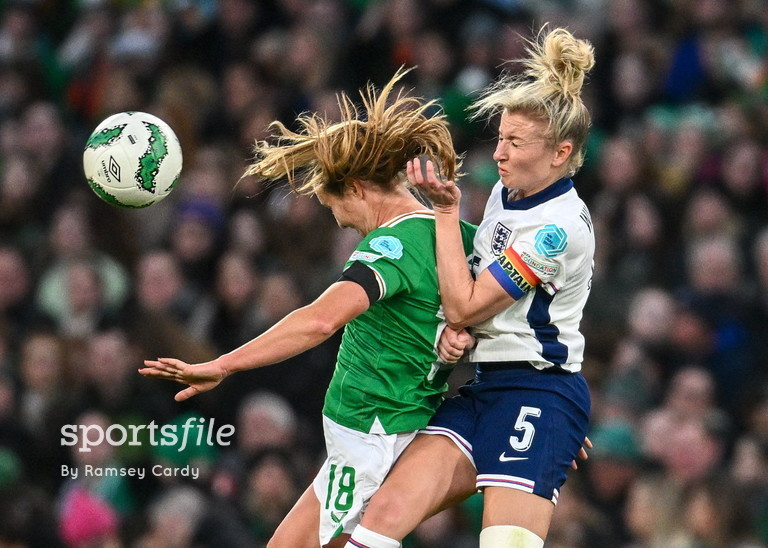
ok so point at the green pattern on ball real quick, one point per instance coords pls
(105, 137)
(109, 198)
(149, 163)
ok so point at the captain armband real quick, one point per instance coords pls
(365, 277)
(513, 274)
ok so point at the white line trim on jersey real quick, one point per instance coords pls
(418, 214)
(380, 281)
(500, 480)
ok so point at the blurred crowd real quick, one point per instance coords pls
(676, 178)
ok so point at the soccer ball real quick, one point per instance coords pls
(132, 159)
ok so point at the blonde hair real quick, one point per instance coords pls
(373, 145)
(549, 88)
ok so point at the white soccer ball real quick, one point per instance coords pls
(132, 159)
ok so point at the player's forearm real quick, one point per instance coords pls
(299, 331)
(456, 283)
(466, 301)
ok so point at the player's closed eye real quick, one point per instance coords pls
(519, 143)
(514, 141)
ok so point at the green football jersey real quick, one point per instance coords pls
(387, 377)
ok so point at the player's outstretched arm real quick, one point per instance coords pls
(199, 377)
(299, 331)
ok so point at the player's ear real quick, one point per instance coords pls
(562, 153)
(355, 188)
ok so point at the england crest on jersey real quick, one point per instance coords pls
(500, 238)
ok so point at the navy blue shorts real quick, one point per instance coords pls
(521, 428)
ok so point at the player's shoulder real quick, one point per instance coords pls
(411, 220)
(564, 224)
(403, 235)
(568, 209)
(412, 225)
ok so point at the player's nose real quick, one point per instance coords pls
(500, 154)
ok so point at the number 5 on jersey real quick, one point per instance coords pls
(528, 430)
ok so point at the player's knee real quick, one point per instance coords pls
(509, 536)
(384, 513)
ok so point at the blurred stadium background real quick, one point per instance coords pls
(677, 324)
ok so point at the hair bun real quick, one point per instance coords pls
(561, 60)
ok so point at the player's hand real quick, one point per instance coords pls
(582, 453)
(444, 195)
(453, 344)
(199, 377)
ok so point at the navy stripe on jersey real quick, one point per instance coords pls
(546, 333)
(552, 191)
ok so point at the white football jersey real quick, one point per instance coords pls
(540, 249)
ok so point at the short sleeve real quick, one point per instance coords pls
(390, 259)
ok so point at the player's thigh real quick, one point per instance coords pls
(299, 528)
(526, 439)
(505, 506)
(431, 474)
(356, 465)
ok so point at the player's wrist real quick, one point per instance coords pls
(226, 365)
(447, 210)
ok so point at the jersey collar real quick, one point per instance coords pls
(415, 213)
(554, 190)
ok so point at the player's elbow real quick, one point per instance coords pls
(474, 310)
(312, 324)
(456, 317)
(324, 327)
